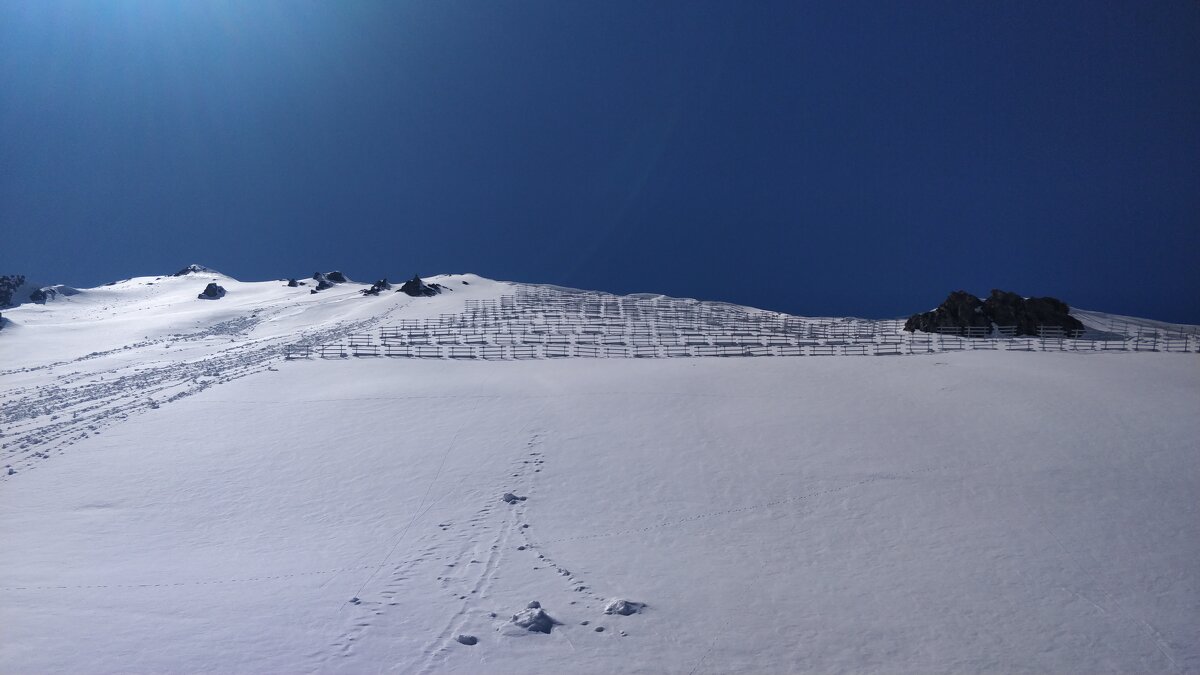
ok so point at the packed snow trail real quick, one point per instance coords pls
(43, 421)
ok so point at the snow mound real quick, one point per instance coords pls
(624, 607)
(47, 293)
(534, 620)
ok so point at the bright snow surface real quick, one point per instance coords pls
(183, 499)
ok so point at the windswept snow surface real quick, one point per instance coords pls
(183, 499)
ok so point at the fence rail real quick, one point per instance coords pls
(543, 323)
(550, 351)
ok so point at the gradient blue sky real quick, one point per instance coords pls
(837, 157)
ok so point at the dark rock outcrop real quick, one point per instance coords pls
(212, 292)
(1026, 316)
(323, 281)
(418, 288)
(9, 285)
(328, 279)
(292, 283)
(1003, 307)
(377, 287)
(960, 310)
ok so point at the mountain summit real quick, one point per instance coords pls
(194, 269)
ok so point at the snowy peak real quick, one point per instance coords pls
(195, 269)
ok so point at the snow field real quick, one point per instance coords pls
(974, 511)
(179, 496)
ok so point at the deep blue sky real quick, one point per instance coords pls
(832, 157)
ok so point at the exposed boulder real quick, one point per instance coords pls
(212, 292)
(381, 285)
(292, 283)
(418, 288)
(962, 310)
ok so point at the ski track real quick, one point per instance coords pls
(37, 423)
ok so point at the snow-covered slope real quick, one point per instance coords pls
(184, 498)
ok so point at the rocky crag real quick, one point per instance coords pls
(1025, 316)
